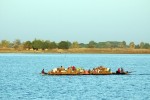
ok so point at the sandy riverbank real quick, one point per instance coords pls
(83, 50)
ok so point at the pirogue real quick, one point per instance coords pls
(80, 71)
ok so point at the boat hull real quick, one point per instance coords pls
(90, 74)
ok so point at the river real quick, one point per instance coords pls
(20, 78)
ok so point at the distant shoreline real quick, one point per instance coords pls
(83, 51)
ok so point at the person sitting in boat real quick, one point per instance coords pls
(43, 71)
(89, 71)
(122, 70)
(118, 71)
(73, 68)
(62, 68)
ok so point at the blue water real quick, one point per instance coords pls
(20, 78)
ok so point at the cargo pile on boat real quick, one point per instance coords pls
(101, 70)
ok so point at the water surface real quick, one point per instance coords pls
(20, 78)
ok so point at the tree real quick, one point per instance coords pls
(132, 45)
(142, 45)
(16, 43)
(109, 45)
(52, 45)
(123, 44)
(45, 44)
(92, 44)
(146, 46)
(11, 45)
(5, 43)
(37, 44)
(101, 45)
(69, 44)
(75, 45)
(82, 45)
(63, 45)
(137, 46)
(27, 45)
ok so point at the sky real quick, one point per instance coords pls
(75, 20)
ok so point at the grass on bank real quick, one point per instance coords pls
(80, 50)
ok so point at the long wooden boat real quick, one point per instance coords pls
(73, 71)
(113, 73)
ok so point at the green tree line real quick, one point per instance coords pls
(47, 44)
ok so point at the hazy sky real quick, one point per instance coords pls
(75, 20)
